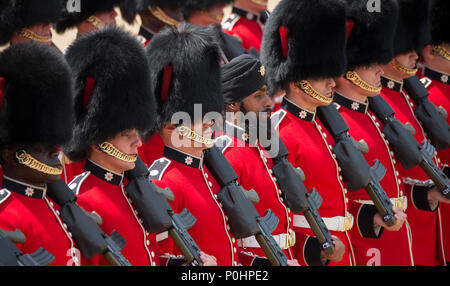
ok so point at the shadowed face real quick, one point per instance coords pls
(372, 76)
(44, 153)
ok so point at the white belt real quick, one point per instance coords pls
(401, 202)
(284, 240)
(337, 223)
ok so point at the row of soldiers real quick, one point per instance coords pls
(349, 168)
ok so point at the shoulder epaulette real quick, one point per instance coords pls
(4, 194)
(277, 117)
(223, 142)
(229, 23)
(425, 81)
(76, 183)
(158, 168)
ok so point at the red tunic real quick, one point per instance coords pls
(249, 32)
(103, 191)
(195, 189)
(308, 144)
(26, 208)
(439, 90)
(152, 149)
(393, 247)
(254, 169)
(425, 225)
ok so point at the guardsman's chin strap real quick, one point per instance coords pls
(401, 68)
(111, 150)
(26, 159)
(27, 33)
(307, 88)
(441, 51)
(190, 134)
(358, 81)
(96, 22)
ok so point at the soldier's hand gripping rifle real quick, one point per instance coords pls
(242, 216)
(157, 215)
(432, 120)
(10, 255)
(88, 236)
(356, 172)
(295, 194)
(405, 146)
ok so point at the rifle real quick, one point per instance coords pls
(10, 255)
(296, 196)
(157, 214)
(406, 148)
(432, 120)
(242, 216)
(355, 170)
(88, 236)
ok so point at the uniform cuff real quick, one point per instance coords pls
(366, 226)
(419, 197)
(311, 252)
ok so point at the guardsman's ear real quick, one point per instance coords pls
(234, 107)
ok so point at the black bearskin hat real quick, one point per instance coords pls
(440, 22)
(166, 3)
(304, 39)
(185, 70)
(35, 95)
(112, 89)
(413, 27)
(130, 8)
(194, 5)
(372, 37)
(18, 14)
(87, 9)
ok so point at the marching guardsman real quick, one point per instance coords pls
(35, 119)
(436, 58)
(93, 15)
(28, 20)
(246, 22)
(112, 108)
(369, 46)
(210, 12)
(302, 56)
(245, 94)
(156, 15)
(185, 74)
(423, 198)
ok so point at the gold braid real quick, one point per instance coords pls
(358, 81)
(396, 65)
(162, 16)
(27, 33)
(309, 90)
(190, 134)
(109, 149)
(26, 159)
(441, 51)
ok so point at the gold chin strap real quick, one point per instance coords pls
(190, 134)
(260, 2)
(96, 22)
(109, 149)
(441, 51)
(358, 81)
(162, 16)
(396, 65)
(309, 90)
(27, 33)
(26, 159)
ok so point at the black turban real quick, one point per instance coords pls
(241, 77)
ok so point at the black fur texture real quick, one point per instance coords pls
(317, 31)
(372, 38)
(38, 95)
(121, 98)
(193, 53)
(440, 22)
